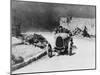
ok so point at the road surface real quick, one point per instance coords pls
(83, 59)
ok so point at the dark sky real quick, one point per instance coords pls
(45, 15)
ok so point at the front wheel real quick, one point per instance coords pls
(66, 50)
(49, 51)
(70, 48)
(50, 54)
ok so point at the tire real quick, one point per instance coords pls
(66, 50)
(49, 54)
(66, 46)
(49, 51)
(70, 48)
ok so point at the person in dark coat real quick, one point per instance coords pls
(85, 32)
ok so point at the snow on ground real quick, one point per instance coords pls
(26, 51)
(15, 40)
(81, 22)
(83, 59)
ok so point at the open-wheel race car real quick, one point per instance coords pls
(63, 44)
